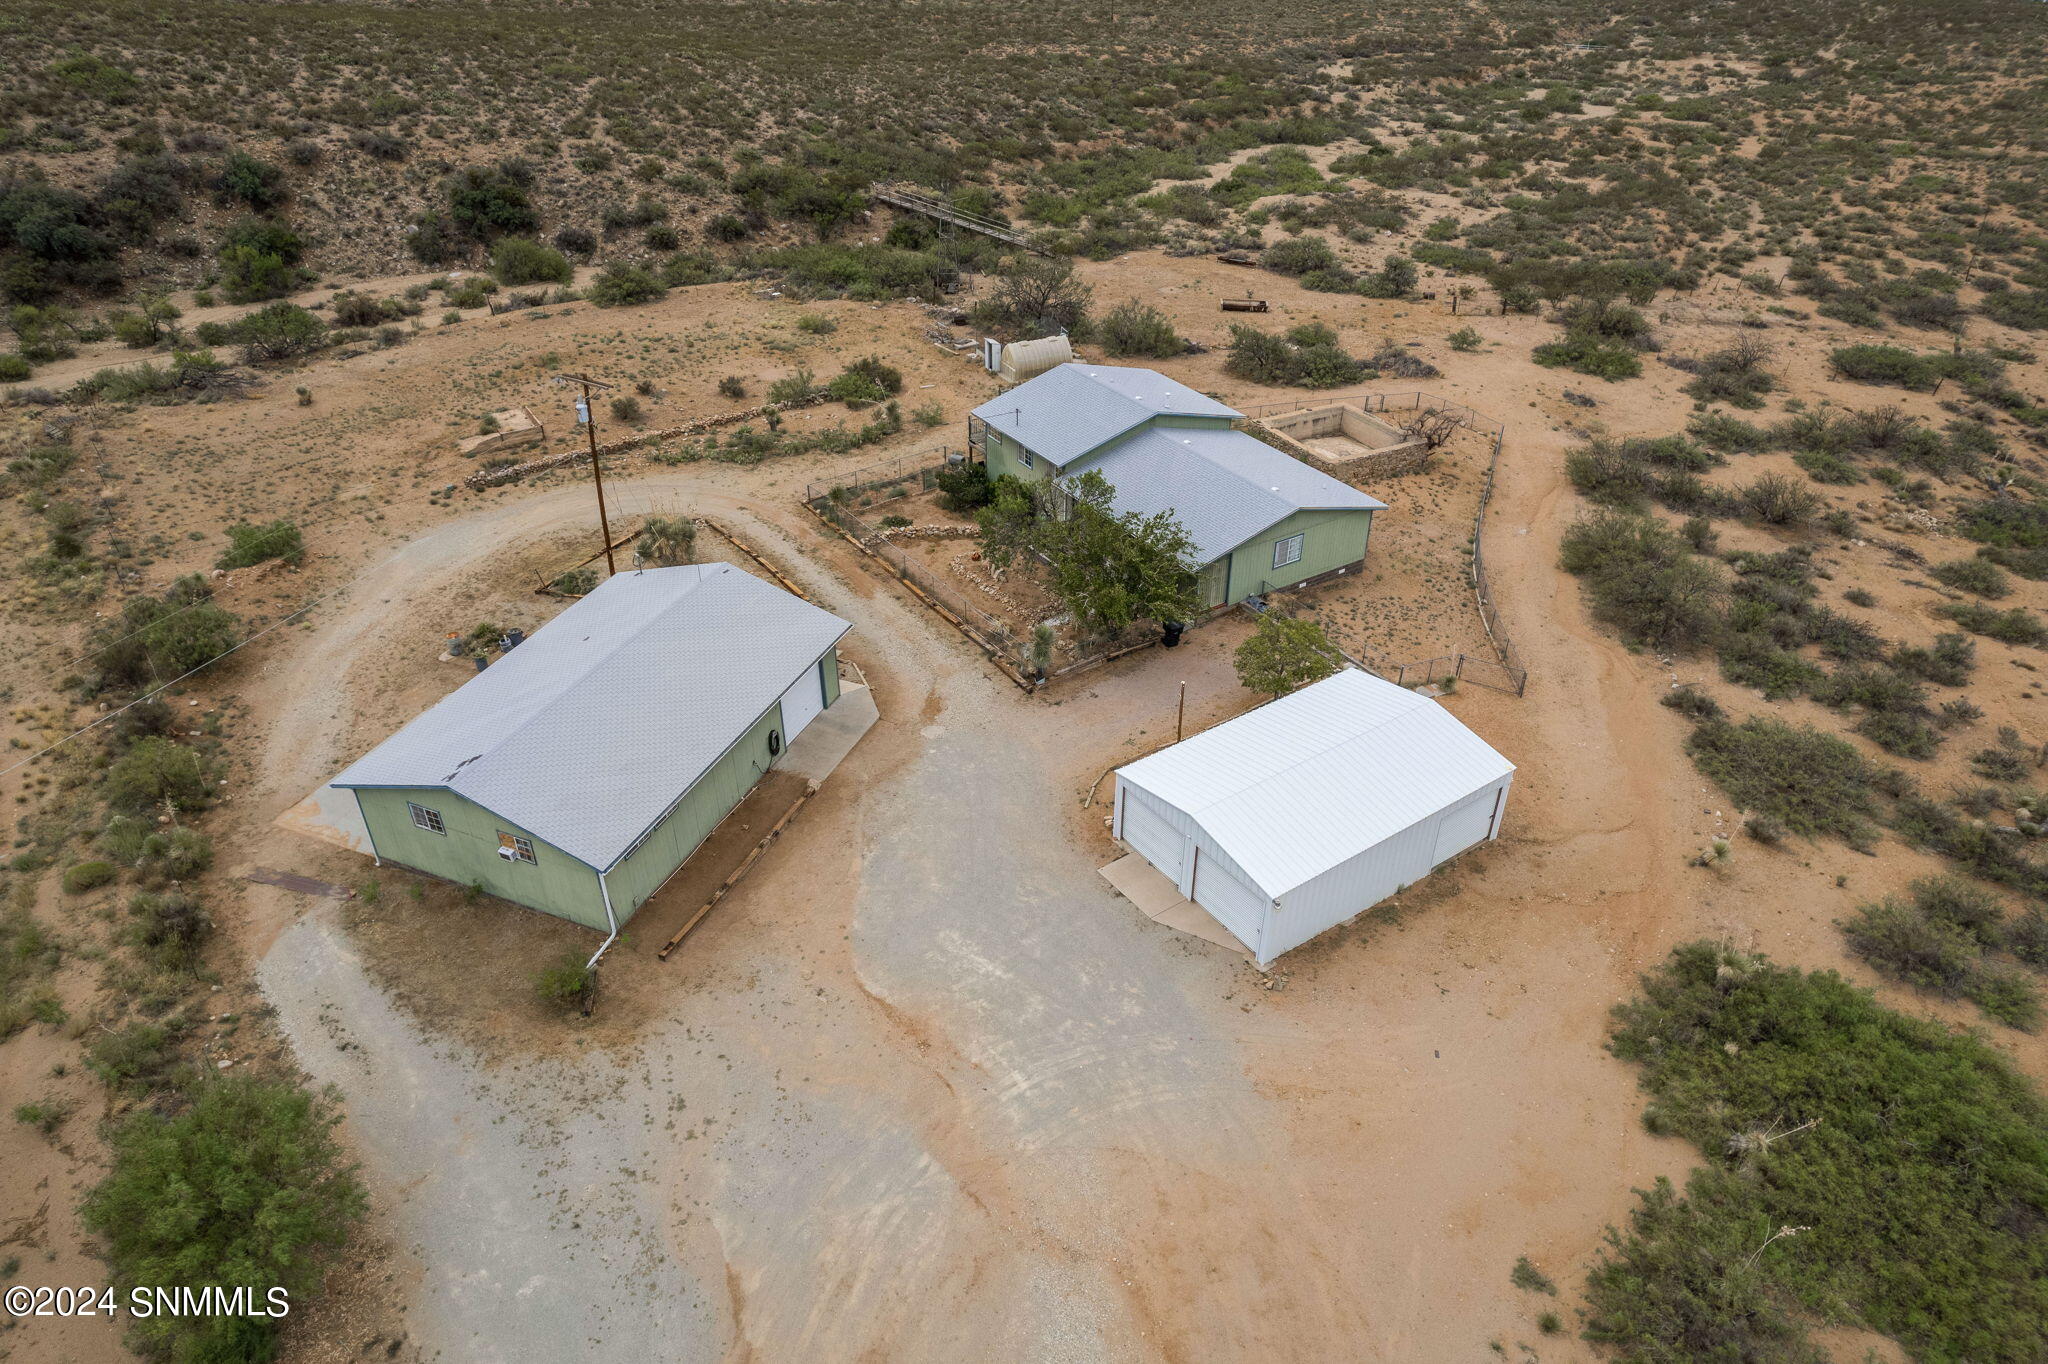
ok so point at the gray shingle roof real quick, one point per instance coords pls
(1225, 486)
(1069, 410)
(588, 732)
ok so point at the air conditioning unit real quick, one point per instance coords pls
(509, 854)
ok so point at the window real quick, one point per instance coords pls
(520, 849)
(430, 820)
(1024, 458)
(1287, 551)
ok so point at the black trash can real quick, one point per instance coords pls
(1170, 632)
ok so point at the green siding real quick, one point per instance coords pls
(828, 670)
(641, 873)
(555, 883)
(1333, 539)
(1005, 456)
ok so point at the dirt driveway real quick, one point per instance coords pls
(924, 1088)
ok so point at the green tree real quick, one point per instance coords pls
(621, 286)
(247, 1188)
(153, 772)
(1110, 568)
(245, 179)
(1283, 655)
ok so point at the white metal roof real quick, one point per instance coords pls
(1224, 486)
(1309, 781)
(589, 731)
(1070, 409)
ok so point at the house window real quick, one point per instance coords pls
(1287, 551)
(430, 820)
(521, 849)
(1024, 458)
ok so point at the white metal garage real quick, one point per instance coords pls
(1298, 815)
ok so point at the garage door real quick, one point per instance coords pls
(801, 704)
(1155, 840)
(1464, 824)
(1237, 906)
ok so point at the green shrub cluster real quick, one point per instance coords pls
(1833, 1187)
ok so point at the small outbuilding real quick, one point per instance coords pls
(1021, 360)
(1297, 816)
(576, 774)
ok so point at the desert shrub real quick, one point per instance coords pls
(625, 408)
(1736, 1052)
(488, 202)
(1298, 256)
(1903, 943)
(522, 260)
(1134, 328)
(245, 1188)
(964, 486)
(154, 640)
(793, 388)
(1465, 340)
(279, 332)
(1972, 575)
(2015, 625)
(138, 1058)
(620, 285)
(1812, 783)
(249, 544)
(1874, 364)
(1396, 278)
(1037, 297)
(14, 369)
(1735, 375)
(1777, 500)
(567, 981)
(174, 854)
(1948, 661)
(252, 182)
(2026, 309)
(1644, 580)
(882, 375)
(1719, 431)
(87, 876)
(1586, 353)
(1306, 358)
(733, 387)
(575, 241)
(154, 774)
(1692, 703)
(168, 927)
(577, 582)
(1908, 736)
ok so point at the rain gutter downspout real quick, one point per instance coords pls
(609, 917)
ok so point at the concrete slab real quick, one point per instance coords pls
(1157, 898)
(827, 739)
(332, 816)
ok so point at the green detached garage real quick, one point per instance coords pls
(578, 772)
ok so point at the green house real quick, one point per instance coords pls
(578, 772)
(1259, 518)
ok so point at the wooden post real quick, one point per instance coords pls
(1180, 716)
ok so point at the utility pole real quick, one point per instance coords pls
(604, 524)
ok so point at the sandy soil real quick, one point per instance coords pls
(926, 1088)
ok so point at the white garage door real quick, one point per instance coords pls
(801, 704)
(1237, 906)
(1157, 841)
(1464, 824)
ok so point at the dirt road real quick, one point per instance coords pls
(927, 1089)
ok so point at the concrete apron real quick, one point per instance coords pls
(1159, 900)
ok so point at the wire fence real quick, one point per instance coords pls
(1032, 654)
(1504, 672)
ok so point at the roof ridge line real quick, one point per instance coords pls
(1422, 703)
(599, 659)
